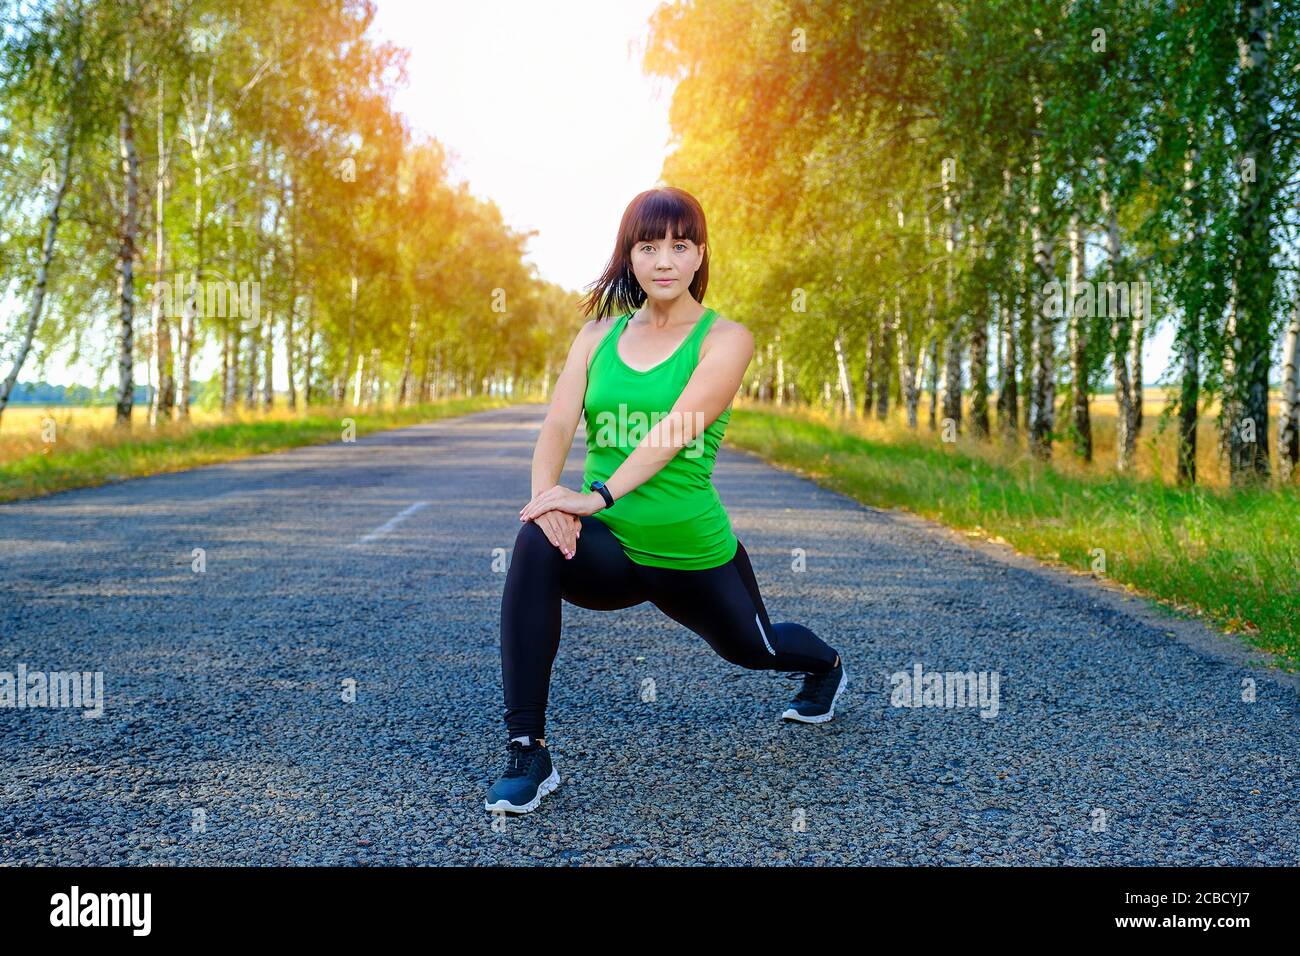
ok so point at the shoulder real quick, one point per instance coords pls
(591, 334)
(729, 335)
(589, 329)
(593, 330)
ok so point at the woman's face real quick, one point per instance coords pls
(666, 267)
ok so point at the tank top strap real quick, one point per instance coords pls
(611, 335)
(700, 332)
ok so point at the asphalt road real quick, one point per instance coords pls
(227, 736)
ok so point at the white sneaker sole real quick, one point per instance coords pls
(792, 714)
(545, 787)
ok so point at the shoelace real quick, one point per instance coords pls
(520, 759)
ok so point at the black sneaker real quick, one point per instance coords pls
(530, 775)
(815, 702)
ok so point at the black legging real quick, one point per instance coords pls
(721, 604)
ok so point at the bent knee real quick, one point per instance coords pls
(750, 658)
(531, 539)
(530, 533)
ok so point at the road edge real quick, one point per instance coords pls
(1191, 631)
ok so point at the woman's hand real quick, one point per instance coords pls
(559, 498)
(562, 530)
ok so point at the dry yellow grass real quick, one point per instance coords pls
(24, 428)
(1156, 450)
(48, 449)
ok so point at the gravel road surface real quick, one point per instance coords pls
(327, 688)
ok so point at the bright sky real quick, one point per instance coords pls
(505, 85)
(545, 110)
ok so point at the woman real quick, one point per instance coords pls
(656, 384)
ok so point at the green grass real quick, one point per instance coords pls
(1232, 557)
(104, 455)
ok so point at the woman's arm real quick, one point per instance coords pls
(712, 387)
(561, 423)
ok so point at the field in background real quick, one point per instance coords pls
(1156, 450)
(21, 426)
(87, 450)
(1233, 557)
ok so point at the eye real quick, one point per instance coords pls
(681, 245)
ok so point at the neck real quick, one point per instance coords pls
(663, 314)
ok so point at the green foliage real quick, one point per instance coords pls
(270, 128)
(806, 129)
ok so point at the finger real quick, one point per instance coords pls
(537, 510)
(566, 533)
(535, 500)
(548, 529)
(542, 503)
(563, 538)
(534, 507)
(558, 502)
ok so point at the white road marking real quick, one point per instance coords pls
(393, 522)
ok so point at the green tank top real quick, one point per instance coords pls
(675, 519)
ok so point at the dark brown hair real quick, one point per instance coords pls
(648, 216)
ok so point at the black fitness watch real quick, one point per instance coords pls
(604, 493)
